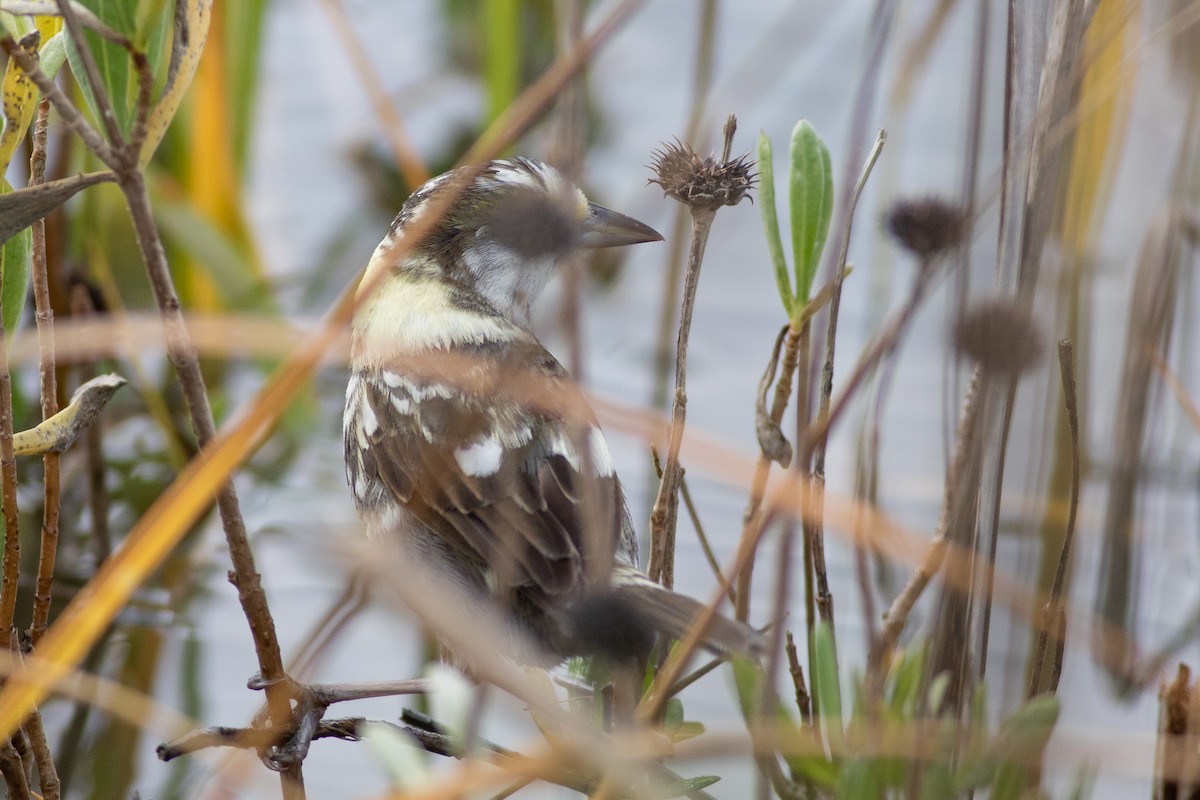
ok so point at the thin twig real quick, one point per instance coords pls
(705, 544)
(694, 675)
(803, 699)
(333, 622)
(143, 101)
(655, 699)
(13, 772)
(187, 367)
(8, 497)
(702, 73)
(795, 341)
(751, 517)
(694, 514)
(881, 346)
(44, 315)
(818, 444)
(935, 554)
(47, 772)
(666, 505)
(769, 699)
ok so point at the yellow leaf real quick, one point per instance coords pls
(186, 50)
(19, 101)
(48, 25)
(1103, 109)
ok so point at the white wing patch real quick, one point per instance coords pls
(481, 458)
(601, 458)
(353, 427)
(368, 420)
(560, 444)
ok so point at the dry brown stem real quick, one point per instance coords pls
(1054, 618)
(663, 517)
(44, 314)
(936, 551)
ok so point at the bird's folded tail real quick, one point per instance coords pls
(673, 614)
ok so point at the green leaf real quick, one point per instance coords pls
(861, 779)
(112, 62)
(243, 37)
(1024, 735)
(501, 25)
(766, 198)
(1008, 763)
(14, 277)
(143, 22)
(686, 730)
(673, 714)
(937, 692)
(53, 54)
(748, 678)
(827, 686)
(810, 202)
(936, 782)
(682, 787)
(904, 678)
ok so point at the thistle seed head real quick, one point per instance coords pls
(702, 181)
(927, 226)
(1000, 335)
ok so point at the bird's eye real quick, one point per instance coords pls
(533, 224)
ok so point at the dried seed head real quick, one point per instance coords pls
(704, 182)
(1000, 335)
(926, 226)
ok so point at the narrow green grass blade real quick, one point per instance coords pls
(14, 275)
(766, 204)
(748, 678)
(810, 203)
(904, 678)
(501, 25)
(1020, 745)
(827, 684)
(14, 280)
(861, 779)
(243, 33)
(1017, 748)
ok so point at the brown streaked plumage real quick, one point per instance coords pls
(468, 448)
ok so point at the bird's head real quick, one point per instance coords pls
(504, 229)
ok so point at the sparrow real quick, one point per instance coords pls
(470, 451)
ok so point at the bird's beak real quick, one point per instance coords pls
(605, 228)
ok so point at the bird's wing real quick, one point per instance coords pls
(503, 461)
